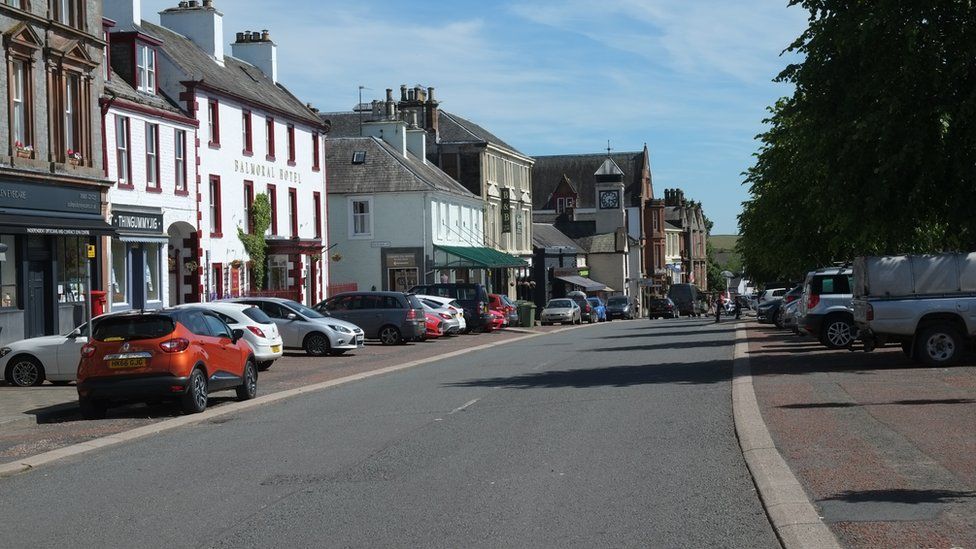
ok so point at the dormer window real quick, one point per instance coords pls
(146, 68)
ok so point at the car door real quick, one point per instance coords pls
(65, 364)
(290, 329)
(225, 367)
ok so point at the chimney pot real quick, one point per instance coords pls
(208, 3)
(430, 94)
(240, 37)
(403, 92)
(255, 37)
(265, 35)
(191, 4)
(389, 94)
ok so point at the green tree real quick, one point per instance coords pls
(875, 151)
(254, 243)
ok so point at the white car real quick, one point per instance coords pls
(28, 362)
(455, 308)
(563, 310)
(260, 331)
(304, 328)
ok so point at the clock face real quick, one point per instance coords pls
(609, 199)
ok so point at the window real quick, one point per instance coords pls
(179, 160)
(317, 215)
(359, 157)
(119, 274)
(218, 280)
(21, 106)
(8, 274)
(362, 223)
(215, 206)
(68, 12)
(152, 157)
(123, 160)
(273, 199)
(316, 166)
(246, 130)
(269, 138)
(146, 68)
(152, 272)
(213, 122)
(72, 116)
(293, 212)
(277, 277)
(15, 3)
(248, 204)
(291, 145)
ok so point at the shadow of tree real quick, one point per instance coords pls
(663, 346)
(694, 373)
(665, 334)
(901, 496)
(919, 402)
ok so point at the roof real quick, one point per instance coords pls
(478, 257)
(236, 77)
(118, 87)
(605, 243)
(545, 235)
(345, 124)
(581, 169)
(383, 169)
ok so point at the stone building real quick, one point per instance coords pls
(688, 216)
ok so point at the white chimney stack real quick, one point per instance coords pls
(200, 22)
(123, 11)
(257, 49)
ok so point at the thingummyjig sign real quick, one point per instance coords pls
(137, 222)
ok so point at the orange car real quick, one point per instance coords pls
(174, 354)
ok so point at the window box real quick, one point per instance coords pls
(25, 153)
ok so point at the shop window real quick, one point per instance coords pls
(8, 274)
(72, 268)
(180, 160)
(119, 273)
(277, 273)
(153, 273)
(152, 157)
(146, 68)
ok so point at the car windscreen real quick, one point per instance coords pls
(308, 313)
(129, 328)
(257, 315)
(560, 304)
(659, 303)
(617, 301)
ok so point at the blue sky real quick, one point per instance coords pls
(691, 78)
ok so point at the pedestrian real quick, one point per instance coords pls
(718, 309)
(738, 308)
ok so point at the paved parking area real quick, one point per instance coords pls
(883, 446)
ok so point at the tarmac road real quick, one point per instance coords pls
(617, 435)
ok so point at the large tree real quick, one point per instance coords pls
(875, 151)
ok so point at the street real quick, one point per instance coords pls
(616, 435)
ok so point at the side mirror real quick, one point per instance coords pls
(236, 334)
(291, 316)
(75, 334)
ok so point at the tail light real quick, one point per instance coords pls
(790, 299)
(175, 345)
(411, 314)
(256, 331)
(445, 316)
(870, 312)
(87, 351)
(813, 301)
(588, 308)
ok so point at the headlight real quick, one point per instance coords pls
(4, 351)
(340, 329)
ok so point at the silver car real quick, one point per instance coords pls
(563, 310)
(304, 328)
(447, 314)
(826, 310)
(260, 331)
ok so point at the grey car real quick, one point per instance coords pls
(619, 306)
(304, 328)
(826, 310)
(391, 317)
(563, 310)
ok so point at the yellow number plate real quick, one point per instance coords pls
(127, 363)
(276, 348)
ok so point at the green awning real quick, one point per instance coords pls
(461, 257)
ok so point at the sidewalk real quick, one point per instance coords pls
(27, 404)
(885, 448)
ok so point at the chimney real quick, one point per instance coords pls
(431, 113)
(202, 24)
(257, 49)
(123, 11)
(416, 139)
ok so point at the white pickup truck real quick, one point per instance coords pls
(927, 303)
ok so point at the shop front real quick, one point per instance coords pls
(137, 259)
(44, 269)
(478, 264)
(401, 268)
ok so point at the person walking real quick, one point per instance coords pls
(718, 308)
(738, 308)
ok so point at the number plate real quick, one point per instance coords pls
(276, 348)
(124, 363)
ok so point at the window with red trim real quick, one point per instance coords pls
(123, 152)
(179, 160)
(246, 129)
(316, 166)
(215, 220)
(293, 212)
(291, 145)
(152, 157)
(248, 204)
(213, 122)
(218, 277)
(269, 137)
(317, 215)
(273, 199)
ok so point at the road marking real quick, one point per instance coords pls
(464, 406)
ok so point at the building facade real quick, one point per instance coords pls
(689, 217)
(52, 184)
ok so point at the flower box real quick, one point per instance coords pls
(25, 153)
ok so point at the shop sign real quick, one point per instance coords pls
(47, 197)
(401, 260)
(506, 210)
(138, 222)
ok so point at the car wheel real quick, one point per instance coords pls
(249, 389)
(939, 345)
(195, 399)
(25, 371)
(838, 333)
(316, 344)
(262, 366)
(390, 335)
(93, 409)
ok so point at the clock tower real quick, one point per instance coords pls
(609, 197)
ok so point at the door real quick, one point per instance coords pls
(69, 354)
(225, 354)
(292, 331)
(36, 306)
(137, 264)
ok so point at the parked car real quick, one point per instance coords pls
(563, 310)
(586, 310)
(260, 331)
(446, 316)
(304, 328)
(770, 294)
(827, 307)
(504, 305)
(498, 321)
(599, 308)
(446, 305)
(473, 297)
(686, 298)
(434, 326)
(767, 311)
(661, 308)
(391, 317)
(619, 306)
(789, 298)
(170, 354)
(29, 362)
(788, 316)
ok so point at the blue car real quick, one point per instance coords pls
(599, 307)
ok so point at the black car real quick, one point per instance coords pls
(661, 308)
(619, 306)
(473, 298)
(766, 313)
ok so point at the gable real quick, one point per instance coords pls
(22, 35)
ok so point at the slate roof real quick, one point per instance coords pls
(236, 77)
(344, 124)
(545, 235)
(384, 170)
(118, 87)
(548, 171)
(598, 244)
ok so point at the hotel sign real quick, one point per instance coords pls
(266, 170)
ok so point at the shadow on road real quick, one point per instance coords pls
(68, 413)
(697, 373)
(919, 402)
(902, 496)
(664, 346)
(665, 334)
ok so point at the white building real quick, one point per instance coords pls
(254, 137)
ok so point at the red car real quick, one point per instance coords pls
(497, 320)
(435, 326)
(504, 305)
(175, 354)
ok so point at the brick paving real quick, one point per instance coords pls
(885, 447)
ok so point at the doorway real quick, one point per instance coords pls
(36, 306)
(401, 280)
